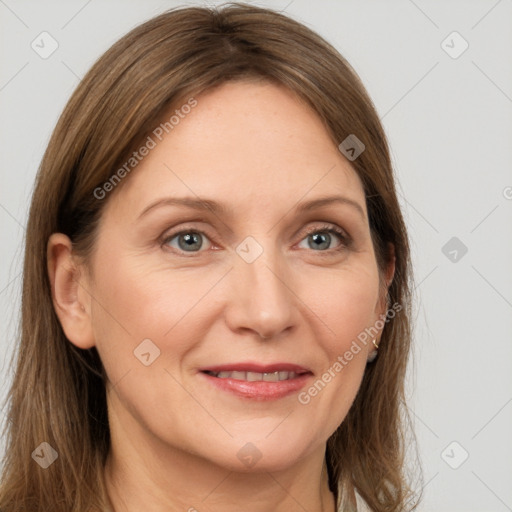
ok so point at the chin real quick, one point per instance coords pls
(259, 454)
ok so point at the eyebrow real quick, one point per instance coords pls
(203, 204)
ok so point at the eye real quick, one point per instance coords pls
(188, 241)
(320, 239)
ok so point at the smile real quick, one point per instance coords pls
(257, 382)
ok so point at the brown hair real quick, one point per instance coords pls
(58, 392)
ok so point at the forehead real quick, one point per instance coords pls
(246, 143)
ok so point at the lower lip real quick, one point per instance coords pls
(259, 390)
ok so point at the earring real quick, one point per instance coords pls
(374, 353)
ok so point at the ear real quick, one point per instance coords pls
(389, 274)
(71, 300)
(383, 305)
(390, 269)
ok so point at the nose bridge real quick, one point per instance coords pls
(263, 301)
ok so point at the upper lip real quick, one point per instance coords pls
(257, 367)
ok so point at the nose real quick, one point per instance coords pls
(262, 300)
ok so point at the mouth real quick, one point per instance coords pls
(258, 382)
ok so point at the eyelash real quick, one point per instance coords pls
(345, 239)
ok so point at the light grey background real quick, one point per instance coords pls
(449, 122)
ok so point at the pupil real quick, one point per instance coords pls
(322, 239)
(189, 241)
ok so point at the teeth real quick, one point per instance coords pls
(255, 376)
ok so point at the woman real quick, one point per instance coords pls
(216, 283)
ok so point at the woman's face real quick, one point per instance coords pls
(214, 322)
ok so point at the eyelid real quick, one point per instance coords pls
(329, 228)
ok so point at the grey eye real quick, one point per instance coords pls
(189, 241)
(319, 240)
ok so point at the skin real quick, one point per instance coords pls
(175, 437)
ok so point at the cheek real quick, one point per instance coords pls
(136, 303)
(346, 303)
(346, 308)
(139, 298)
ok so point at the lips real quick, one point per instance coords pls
(256, 381)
